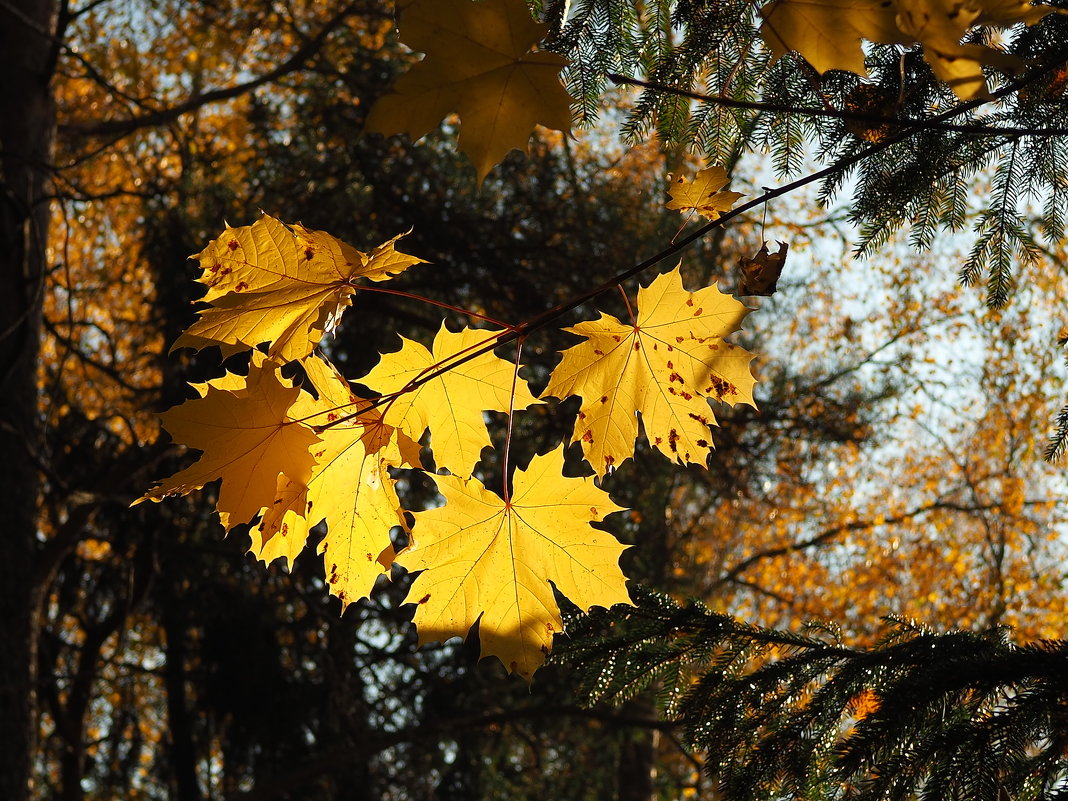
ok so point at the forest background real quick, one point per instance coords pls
(893, 465)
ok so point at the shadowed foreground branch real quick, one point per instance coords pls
(780, 715)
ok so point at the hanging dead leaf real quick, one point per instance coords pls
(876, 100)
(760, 274)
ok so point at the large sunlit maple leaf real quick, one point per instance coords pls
(349, 487)
(450, 405)
(667, 366)
(249, 435)
(828, 33)
(284, 285)
(702, 195)
(487, 560)
(480, 63)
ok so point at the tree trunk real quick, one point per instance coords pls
(26, 134)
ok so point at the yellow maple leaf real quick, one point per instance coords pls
(940, 25)
(284, 285)
(452, 404)
(479, 63)
(248, 434)
(828, 33)
(349, 486)
(702, 195)
(666, 366)
(486, 560)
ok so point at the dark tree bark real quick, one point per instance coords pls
(27, 123)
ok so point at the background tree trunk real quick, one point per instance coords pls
(26, 133)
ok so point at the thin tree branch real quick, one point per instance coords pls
(860, 116)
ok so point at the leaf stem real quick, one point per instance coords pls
(630, 311)
(440, 304)
(507, 493)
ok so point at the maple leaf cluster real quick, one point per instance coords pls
(295, 453)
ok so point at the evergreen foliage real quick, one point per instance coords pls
(927, 180)
(955, 715)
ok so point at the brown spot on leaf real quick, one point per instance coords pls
(232, 244)
(689, 301)
(676, 377)
(582, 415)
(370, 558)
(721, 387)
(587, 436)
(604, 399)
(598, 352)
(617, 337)
(241, 286)
(698, 313)
(332, 416)
(699, 418)
(284, 530)
(673, 440)
(308, 253)
(425, 598)
(637, 346)
(703, 443)
(657, 440)
(609, 460)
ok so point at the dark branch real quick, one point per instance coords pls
(860, 116)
